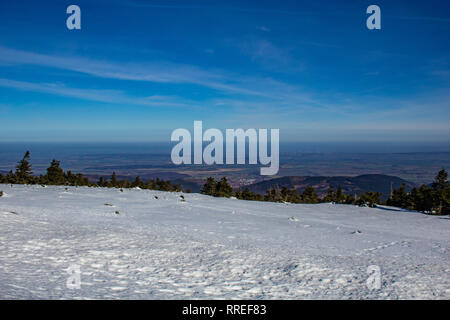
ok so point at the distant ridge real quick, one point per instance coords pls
(350, 185)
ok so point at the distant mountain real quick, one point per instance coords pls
(350, 185)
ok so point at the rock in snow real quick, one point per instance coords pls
(161, 248)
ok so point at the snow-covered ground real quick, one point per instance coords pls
(161, 247)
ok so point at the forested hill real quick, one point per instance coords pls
(350, 185)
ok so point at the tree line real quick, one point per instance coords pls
(430, 200)
(222, 188)
(434, 199)
(55, 175)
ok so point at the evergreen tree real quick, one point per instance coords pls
(425, 203)
(399, 198)
(113, 180)
(101, 182)
(80, 180)
(309, 195)
(248, 195)
(10, 177)
(340, 196)
(138, 183)
(70, 178)
(421, 199)
(285, 194)
(209, 187)
(151, 185)
(330, 196)
(349, 199)
(270, 195)
(223, 188)
(76, 179)
(55, 175)
(274, 194)
(370, 199)
(23, 170)
(441, 196)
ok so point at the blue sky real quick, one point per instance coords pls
(137, 70)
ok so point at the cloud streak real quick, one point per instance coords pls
(266, 89)
(106, 96)
(160, 72)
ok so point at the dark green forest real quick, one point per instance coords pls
(432, 199)
(57, 176)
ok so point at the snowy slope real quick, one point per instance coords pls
(209, 248)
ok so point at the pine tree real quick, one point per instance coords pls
(399, 198)
(55, 175)
(340, 196)
(138, 183)
(425, 199)
(274, 194)
(349, 199)
(285, 194)
(151, 184)
(369, 198)
(71, 178)
(309, 195)
(114, 180)
(10, 177)
(330, 196)
(223, 188)
(247, 194)
(441, 197)
(101, 182)
(209, 187)
(80, 180)
(23, 170)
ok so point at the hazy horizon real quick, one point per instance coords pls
(285, 147)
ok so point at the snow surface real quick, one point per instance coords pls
(212, 248)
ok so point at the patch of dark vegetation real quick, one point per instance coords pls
(431, 200)
(57, 176)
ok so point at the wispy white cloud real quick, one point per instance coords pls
(267, 97)
(263, 28)
(161, 71)
(167, 72)
(107, 96)
(269, 55)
